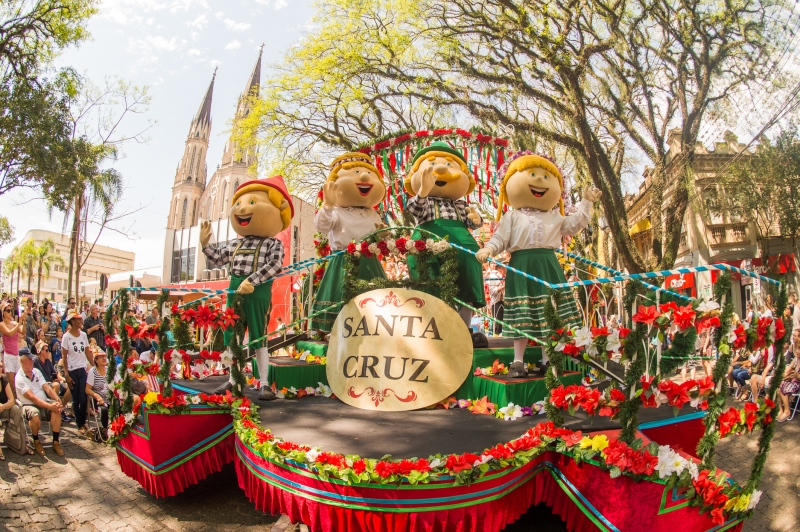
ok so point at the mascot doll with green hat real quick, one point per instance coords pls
(260, 210)
(353, 189)
(532, 231)
(438, 182)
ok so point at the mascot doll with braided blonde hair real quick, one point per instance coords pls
(438, 182)
(260, 210)
(532, 230)
(353, 189)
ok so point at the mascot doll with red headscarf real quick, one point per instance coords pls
(260, 210)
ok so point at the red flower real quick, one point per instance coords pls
(717, 516)
(646, 315)
(706, 384)
(364, 248)
(319, 272)
(600, 331)
(646, 382)
(188, 314)
(667, 307)
(607, 411)
(763, 326)
(385, 469)
(624, 332)
(574, 438)
(706, 323)
(703, 405)
(770, 403)
(750, 414)
(741, 337)
(572, 350)
(351, 248)
(684, 317)
(501, 452)
(263, 437)
(617, 395)
(205, 317)
(676, 393)
(780, 330)
(112, 343)
(401, 244)
(728, 420)
(118, 424)
(176, 310)
(359, 466)
(153, 369)
(456, 463)
(649, 401)
(420, 245)
(227, 319)
(130, 330)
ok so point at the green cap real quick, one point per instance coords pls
(438, 146)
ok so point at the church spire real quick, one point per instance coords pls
(204, 112)
(255, 76)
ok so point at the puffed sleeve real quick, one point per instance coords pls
(575, 222)
(326, 219)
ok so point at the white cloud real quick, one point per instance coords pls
(236, 26)
(215, 62)
(220, 15)
(194, 35)
(280, 4)
(263, 2)
(186, 5)
(233, 45)
(200, 22)
(194, 51)
(159, 81)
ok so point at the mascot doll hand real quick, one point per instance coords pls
(427, 182)
(329, 193)
(380, 225)
(474, 215)
(205, 233)
(483, 254)
(592, 194)
(245, 288)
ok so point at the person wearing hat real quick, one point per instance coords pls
(353, 189)
(534, 187)
(76, 357)
(13, 335)
(96, 386)
(39, 401)
(438, 182)
(260, 210)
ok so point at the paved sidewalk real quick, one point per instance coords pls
(86, 491)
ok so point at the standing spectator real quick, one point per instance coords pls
(96, 385)
(152, 318)
(47, 324)
(39, 401)
(794, 307)
(70, 306)
(74, 347)
(497, 290)
(85, 311)
(8, 408)
(94, 328)
(11, 332)
(31, 323)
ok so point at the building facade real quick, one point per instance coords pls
(101, 260)
(196, 197)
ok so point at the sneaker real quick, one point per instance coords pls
(37, 446)
(66, 417)
(57, 448)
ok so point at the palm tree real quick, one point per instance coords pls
(11, 267)
(46, 256)
(27, 259)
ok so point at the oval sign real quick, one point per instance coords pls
(395, 349)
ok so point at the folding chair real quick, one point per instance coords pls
(796, 404)
(95, 421)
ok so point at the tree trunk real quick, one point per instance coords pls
(19, 274)
(73, 244)
(39, 281)
(30, 276)
(11, 284)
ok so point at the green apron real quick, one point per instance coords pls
(256, 307)
(331, 289)
(470, 271)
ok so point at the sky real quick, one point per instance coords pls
(171, 46)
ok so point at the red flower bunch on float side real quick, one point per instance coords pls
(734, 421)
(712, 495)
(593, 402)
(629, 460)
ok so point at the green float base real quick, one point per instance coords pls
(497, 389)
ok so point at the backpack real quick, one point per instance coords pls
(14, 436)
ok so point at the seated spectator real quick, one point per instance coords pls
(742, 373)
(96, 387)
(791, 379)
(55, 346)
(8, 407)
(145, 349)
(39, 401)
(765, 377)
(44, 363)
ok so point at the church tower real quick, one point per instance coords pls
(190, 176)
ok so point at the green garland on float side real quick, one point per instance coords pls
(551, 378)
(706, 445)
(768, 429)
(126, 386)
(163, 345)
(235, 345)
(632, 351)
(108, 321)
(444, 285)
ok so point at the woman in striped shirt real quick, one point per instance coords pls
(96, 386)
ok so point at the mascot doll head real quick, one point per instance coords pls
(532, 181)
(452, 179)
(353, 182)
(261, 207)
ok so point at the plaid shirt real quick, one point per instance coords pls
(430, 208)
(269, 260)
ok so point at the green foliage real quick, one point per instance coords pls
(163, 344)
(556, 357)
(6, 231)
(239, 359)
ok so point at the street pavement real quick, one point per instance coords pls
(86, 491)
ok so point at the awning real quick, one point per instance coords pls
(638, 227)
(776, 264)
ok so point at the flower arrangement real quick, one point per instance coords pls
(695, 392)
(306, 356)
(207, 316)
(497, 368)
(591, 400)
(736, 421)
(485, 407)
(398, 247)
(323, 390)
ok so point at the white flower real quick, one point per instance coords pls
(435, 463)
(429, 243)
(357, 254)
(129, 418)
(195, 399)
(311, 456)
(583, 337)
(592, 350)
(373, 248)
(669, 462)
(410, 245)
(122, 395)
(511, 412)
(441, 245)
(279, 395)
(614, 344)
(754, 498)
(293, 390)
(694, 472)
(707, 306)
(391, 245)
(176, 357)
(482, 460)
(325, 390)
(731, 335)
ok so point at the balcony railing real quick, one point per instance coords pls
(728, 234)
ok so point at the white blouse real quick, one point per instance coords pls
(345, 224)
(528, 228)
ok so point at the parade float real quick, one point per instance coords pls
(398, 421)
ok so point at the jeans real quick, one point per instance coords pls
(740, 375)
(79, 395)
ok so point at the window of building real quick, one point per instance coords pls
(194, 210)
(183, 262)
(183, 212)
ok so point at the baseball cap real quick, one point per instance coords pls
(72, 313)
(24, 351)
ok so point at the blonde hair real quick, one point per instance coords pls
(277, 198)
(528, 162)
(350, 160)
(431, 156)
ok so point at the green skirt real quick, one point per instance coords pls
(524, 298)
(470, 271)
(331, 289)
(256, 306)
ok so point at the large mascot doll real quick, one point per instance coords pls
(532, 231)
(260, 210)
(439, 180)
(350, 195)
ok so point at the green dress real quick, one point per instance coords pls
(331, 289)
(524, 298)
(470, 271)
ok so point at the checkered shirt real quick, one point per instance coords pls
(430, 208)
(269, 260)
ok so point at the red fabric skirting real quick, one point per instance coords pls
(177, 479)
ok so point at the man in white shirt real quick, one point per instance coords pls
(39, 401)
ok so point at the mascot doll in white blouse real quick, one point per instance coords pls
(532, 230)
(260, 210)
(353, 189)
